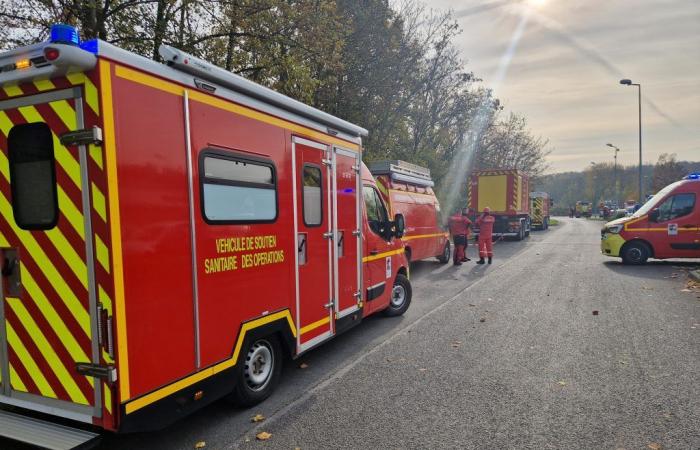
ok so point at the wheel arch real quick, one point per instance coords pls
(282, 327)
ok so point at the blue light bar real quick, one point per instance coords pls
(90, 46)
(64, 34)
(692, 176)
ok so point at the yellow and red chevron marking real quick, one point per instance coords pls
(49, 327)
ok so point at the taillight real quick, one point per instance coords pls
(51, 54)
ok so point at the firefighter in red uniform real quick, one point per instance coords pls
(459, 229)
(485, 223)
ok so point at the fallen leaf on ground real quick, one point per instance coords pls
(263, 436)
(647, 288)
(686, 290)
(200, 444)
(482, 320)
(595, 312)
(471, 304)
(562, 383)
(623, 362)
(257, 418)
(422, 369)
(654, 446)
(303, 366)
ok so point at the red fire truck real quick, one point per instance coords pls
(540, 202)
(168, 234)
(506, 193)
(408, 190)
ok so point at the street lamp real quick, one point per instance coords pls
(639, 93)
(617, 199)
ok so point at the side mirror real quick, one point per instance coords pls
(399, 225)
(654, 215)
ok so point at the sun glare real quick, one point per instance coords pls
(537, 3)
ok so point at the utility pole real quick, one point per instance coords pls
(617, 194)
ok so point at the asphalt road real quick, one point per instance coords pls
(502, 356)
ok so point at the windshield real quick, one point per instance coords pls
(655, 199)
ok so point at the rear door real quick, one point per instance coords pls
(47, 303)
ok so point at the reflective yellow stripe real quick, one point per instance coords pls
(107, 396)
(37, 254)
(313, 326)
(66, 113)
(90, 90)
(422, 236)
(398, 191)
(16, 381)
(72, 213)
(47, 351)
(44, 85)
(74, 261)
(105, 300)
(226, 105)
(213, 370)
(96, 155)
(28, 362)
(12, 90)
(98, 202)
(115, 228)
(67, 339)
(102, 253)
(382, 255)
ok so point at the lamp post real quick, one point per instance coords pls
(639, 95)
(617, 199)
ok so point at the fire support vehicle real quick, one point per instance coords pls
(168, 234)
(408, 190)
(583, 209)
(667, 226)
(540, 202)
(506, 193)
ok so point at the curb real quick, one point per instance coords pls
(695, 275)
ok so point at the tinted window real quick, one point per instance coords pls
(33, 176)
(238, 190)
(678, 205)
(313, 201)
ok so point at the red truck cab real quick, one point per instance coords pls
(667, 226)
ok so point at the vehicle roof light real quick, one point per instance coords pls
(90, 46)
(692, 176)
(64, 34)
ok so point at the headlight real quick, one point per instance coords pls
(613, 229)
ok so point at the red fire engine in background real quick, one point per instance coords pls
(506, 192)
(408, 190)
(169, 233)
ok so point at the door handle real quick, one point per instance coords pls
(374, 252)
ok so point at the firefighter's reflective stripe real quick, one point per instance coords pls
(423, 236)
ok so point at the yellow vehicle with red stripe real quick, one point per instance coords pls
(169, 234)
(667, 226)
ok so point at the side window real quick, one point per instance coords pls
(313, 200)
(33, 176)
(376, 212)
(676, 206)
(237, 189)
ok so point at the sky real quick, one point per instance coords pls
(564, 65)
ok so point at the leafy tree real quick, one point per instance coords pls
(667, 170)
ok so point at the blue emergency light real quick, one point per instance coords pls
(64, 34)
(693, 176)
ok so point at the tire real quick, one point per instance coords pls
(258, 372)
(446, 254)
(400, 297)
(521, 234)
(635, 253)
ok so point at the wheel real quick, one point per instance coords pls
(521, 234)
(635, 253)
(400, 296)
(258, 372)
(446, 254)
